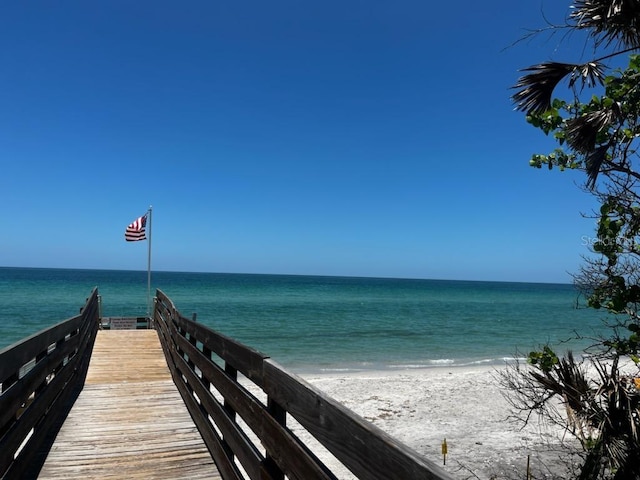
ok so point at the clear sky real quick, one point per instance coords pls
(350, 137)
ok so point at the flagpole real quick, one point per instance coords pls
(149, 264)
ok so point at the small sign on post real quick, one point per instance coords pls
(444, 451)
(123, 323)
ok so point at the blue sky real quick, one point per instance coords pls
(359, 138)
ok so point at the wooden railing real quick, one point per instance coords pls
(40, 378)
(249, 437)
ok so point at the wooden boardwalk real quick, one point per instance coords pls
(129, 421)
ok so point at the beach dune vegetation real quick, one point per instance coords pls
(597, 131)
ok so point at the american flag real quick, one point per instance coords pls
(135, 231)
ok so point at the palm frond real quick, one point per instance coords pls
(582, 132)
(593, 162)
(591, 74)
(568, 381)
(536, 88)
(612, 22)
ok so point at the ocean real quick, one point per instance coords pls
(313, 323)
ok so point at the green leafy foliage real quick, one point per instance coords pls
(545, 360)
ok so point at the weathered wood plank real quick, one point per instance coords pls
(129, 421)
(20, 353)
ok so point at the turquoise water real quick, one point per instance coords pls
(328, 323)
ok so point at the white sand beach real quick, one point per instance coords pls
(465, 405)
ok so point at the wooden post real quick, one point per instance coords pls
(279, 414)
(232, 372)
(193, 341)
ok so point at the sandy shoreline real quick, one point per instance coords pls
(465, 405)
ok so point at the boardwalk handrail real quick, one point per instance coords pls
(40, 377)
(205, 365)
